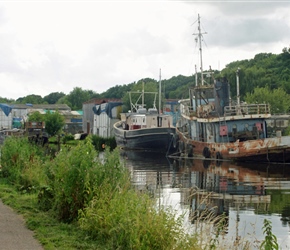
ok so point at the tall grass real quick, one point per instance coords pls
(22, 163)
(126, 219)
(79, 185)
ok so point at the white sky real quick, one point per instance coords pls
(54, 46)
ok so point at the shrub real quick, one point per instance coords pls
(100, 143)
(22, 163)
(123, 218)
(76, 173)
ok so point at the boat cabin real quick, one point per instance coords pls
(212, 117)
(145, 119)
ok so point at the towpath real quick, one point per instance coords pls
(14, 235)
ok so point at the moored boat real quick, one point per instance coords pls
(212, 125)
(144, 129)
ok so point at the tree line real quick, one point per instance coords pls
(265, 76)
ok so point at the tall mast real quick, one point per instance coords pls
(142, 94)
(160, 108)
(199, 35)
(200, 49)
(196, 84)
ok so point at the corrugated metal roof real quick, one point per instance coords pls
(42, 106)
(102, 100)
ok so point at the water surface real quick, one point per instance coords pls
(246, 193)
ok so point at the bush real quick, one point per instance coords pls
(123, 218)
(76, 174)
(22, 163)
(100, 143)
(67, 137)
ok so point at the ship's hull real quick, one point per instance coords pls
(154, 139)
(275, 149)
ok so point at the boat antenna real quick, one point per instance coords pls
(238, 86)
(142, 94)
(160, 108)
(196, 76)
(199, 37)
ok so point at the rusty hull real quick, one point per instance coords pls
(275, 149)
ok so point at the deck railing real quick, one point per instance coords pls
(247, 109)
(242, 109)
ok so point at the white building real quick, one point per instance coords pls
(99, 116)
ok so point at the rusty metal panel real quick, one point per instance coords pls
(223, 130)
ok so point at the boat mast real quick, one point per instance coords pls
(142, 94)
(160, 111)
(199, 37)
(200, 49)
(238, 86)
(196, 76)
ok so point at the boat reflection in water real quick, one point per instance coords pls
(247, 193)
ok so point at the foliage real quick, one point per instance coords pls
(6, 100)
(72, 172)
(22, 163)
(126, 219)
(51, 233)
(118, 91)
(34, 99)
(78, 96)
(76, 174)
(67, 137)
(270, 242)
(101, 143)
(36, 117)
(96, 190)
(54, 122)
(150, 86)
(177, 86)
(53, 97)
(265, 70)
(278, 99)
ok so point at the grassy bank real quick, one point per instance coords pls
(77, 200)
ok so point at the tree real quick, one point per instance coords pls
(54, 123)
(34, 99)
(148, 98)
(278, 99)
(52, 98)
(78, 96)
(36, 117)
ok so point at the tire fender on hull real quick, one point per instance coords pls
(206, 152)
(189, 150)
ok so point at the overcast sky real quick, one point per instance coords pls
(54, 46)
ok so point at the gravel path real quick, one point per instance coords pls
(14, 235)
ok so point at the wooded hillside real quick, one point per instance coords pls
(265, 70)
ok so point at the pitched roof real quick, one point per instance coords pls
(42, 106)
(102, 100)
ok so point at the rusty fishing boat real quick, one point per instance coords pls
(212, 125)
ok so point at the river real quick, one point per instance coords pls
(246, 193)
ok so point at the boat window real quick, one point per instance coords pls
(234, 128)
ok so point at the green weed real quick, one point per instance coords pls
(270, 241)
